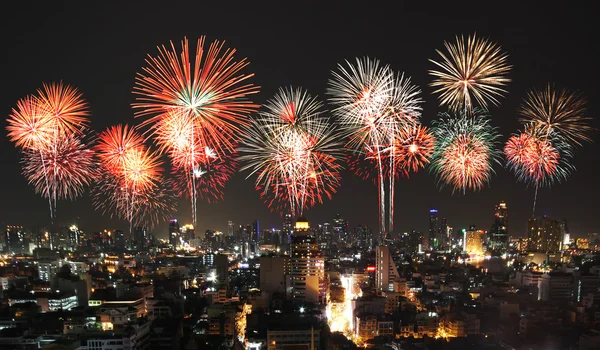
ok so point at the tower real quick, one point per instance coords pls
(435, 230)
(173, 232)
(499, 232)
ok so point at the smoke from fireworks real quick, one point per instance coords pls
(465, 150)
(191, 109)
(472, 70)
(551, 110)
(293, 151)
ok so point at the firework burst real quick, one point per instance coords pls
(465, 151)
(375, 107)
(557, 111)
(472, 70)
(190, 108)
(293, 150)
(129, 186)
(64, 171)
(49, 128)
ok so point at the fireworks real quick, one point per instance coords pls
(293, 151)
(63, 171)
(465, 151)
(190, 109)
(130, 186)
(557, 111)
(413, 148)
(472, 70)
(211, 174)
(537, 159)
(377, 110)
(50, 128)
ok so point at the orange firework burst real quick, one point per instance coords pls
(49, 128)
(115, 143)
(64, 106)
(212, 94)
(129, 187)
(28, 125)
(194, 108)
(413, 149)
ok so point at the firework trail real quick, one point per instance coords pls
(471, 70)
(50, 129)
(375, 107)
(465, 150)
(293, 151)
(191, 108)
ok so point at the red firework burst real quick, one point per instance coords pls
(414, 148)
(533, 158)
(115, 143)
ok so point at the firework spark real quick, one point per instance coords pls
(28, 125)
(293, 150)
(557, 111)
(413, 148)
(472, 70)
(116, 143)
(465, 150)
(211, 174)
(190, 109)
(63, 171)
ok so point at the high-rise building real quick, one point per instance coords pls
(255, 233)
(230, 228)
(140, 238)
(545, 235)
(499, 232)
(435, 230)
(119, 239)
(473, 241)
(174, 233)
(340, 230)
(15, 239)
(385, 270)
(308, 270)
(275, 274)
(288, 227)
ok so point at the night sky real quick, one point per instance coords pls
(99, 50)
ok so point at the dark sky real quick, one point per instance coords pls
(99, 49)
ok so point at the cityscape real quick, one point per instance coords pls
(301, 176)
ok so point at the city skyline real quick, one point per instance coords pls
(537, 53)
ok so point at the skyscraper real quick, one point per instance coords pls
(340, 230)
(174, 233)
(230, 228)
(140, 238)
(545, 234)
(435, 230)
(308, 270)
(385, 270)
(499, 232)
(288, 226)
(255, 238)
